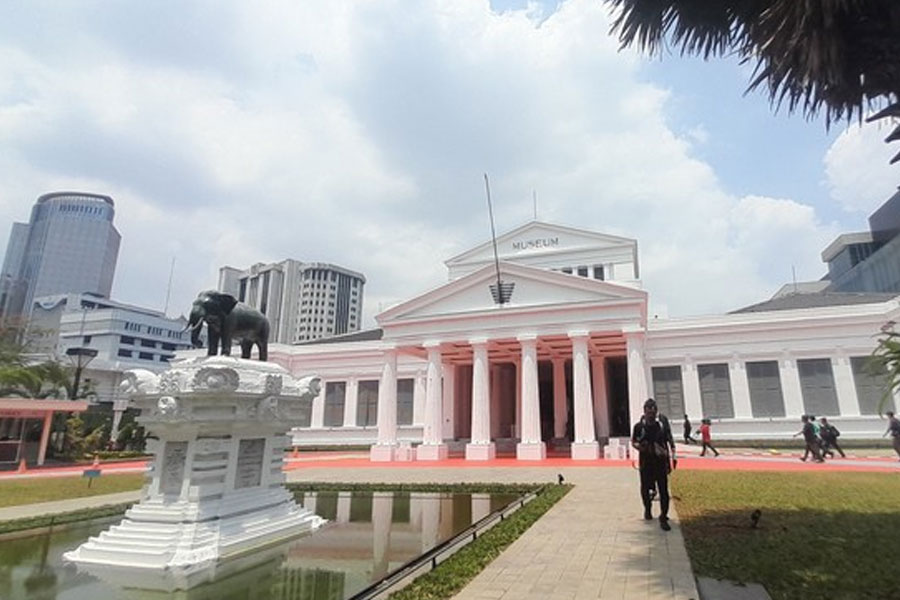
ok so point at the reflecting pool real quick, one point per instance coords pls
(368, 535)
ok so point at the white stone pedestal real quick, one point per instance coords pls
(481, 451)
(214, 489)
(382, 452)
(432, 452)
(532, 451)
(585, 450)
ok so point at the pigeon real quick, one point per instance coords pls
(560, 479)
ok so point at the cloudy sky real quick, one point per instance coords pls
(357, 133)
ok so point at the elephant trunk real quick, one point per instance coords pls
(195, 324)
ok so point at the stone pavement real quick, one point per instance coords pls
(592, 544)
(60, 506)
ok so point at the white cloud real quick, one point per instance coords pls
(857, 167)
(357, 134)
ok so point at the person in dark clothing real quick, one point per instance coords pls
(687, 431)
(894, 430)
(829, 434)
(652, 438)
(706, 437)
(812, 440)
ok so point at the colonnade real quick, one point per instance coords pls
(588, 399)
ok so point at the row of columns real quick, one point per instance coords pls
(531, 447)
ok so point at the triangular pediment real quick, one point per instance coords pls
(533, 288)
(540, 238)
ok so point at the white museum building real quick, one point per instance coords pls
(567, 362)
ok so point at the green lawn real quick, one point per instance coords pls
(821, 535)
(14, 492)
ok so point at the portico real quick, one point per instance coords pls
(522, 374)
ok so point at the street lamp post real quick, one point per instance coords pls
(80, 358)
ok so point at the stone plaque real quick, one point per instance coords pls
(172, 476)
(249, 463)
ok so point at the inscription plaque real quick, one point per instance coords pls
(174, 457)
(249, 463)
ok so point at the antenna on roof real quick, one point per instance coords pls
(794, 277)
(500, 291)
(534, 198)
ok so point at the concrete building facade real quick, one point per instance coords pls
(303, 301)
(71, 246)
(568, 361)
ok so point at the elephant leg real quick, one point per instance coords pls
(226, 345)
(212, 342)
(263, 350)
(246, 348)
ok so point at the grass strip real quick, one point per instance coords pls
(454, 573)
(16, 492)
(84, 514)
(819, 535)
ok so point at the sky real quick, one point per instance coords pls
(357, 132)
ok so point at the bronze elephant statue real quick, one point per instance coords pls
(228, 320)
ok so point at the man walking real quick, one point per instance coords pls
(829, 434)
(652, 438)
(812, 441)
(894, 430)
(687, 431)
(706, 437)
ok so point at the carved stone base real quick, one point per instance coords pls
(533, 451)
(432, 452)
(481, 451)
(382, 453)
(214, 489)
(585, 450)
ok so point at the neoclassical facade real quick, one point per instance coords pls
(569, 359)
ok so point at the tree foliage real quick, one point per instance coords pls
(885, 362)
(840, 57)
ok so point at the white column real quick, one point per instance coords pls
(584, 446)
(309, 501)
(637, 375)
(790, 387)
(690, 380)
(343, 507)
(382, 509)
(449, 400)
(740, 388)
(560, 410)
(317, 418)
(432, 447)
(351, 391)
(431, 520)
(518, 403)
(601, 399)
(419, 399)
(844, 386)
(481, 447)
(384, 449)
(530, 447)
(481, 506)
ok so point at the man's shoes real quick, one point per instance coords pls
(664, 524)
(647, 515)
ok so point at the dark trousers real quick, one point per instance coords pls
(688, 439)
(655, 473)
(813, 447)
(827, 446)
(710, 446)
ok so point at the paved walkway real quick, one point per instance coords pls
(60, 506)
(592, 544)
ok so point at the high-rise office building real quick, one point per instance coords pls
(71, 246)
(303, 301)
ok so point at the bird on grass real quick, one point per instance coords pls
(560, 479)
(754, 518)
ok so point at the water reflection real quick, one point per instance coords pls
(369, 535)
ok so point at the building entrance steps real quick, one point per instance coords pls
(592, 544)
